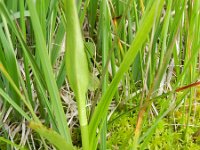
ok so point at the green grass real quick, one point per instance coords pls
(99, 74)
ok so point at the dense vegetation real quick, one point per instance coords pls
(99, 74)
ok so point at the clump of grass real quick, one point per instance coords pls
(99, 74)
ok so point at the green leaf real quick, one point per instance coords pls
(76, 61)
(53, 137)
(90, 49)
(94, 82)
(77, 65)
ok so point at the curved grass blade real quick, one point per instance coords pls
(53, 137)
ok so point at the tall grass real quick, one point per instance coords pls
(99, 74)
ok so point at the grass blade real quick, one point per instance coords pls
(13, 104)
(51, 136)
(11, 143)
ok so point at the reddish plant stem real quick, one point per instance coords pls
(188, 86)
